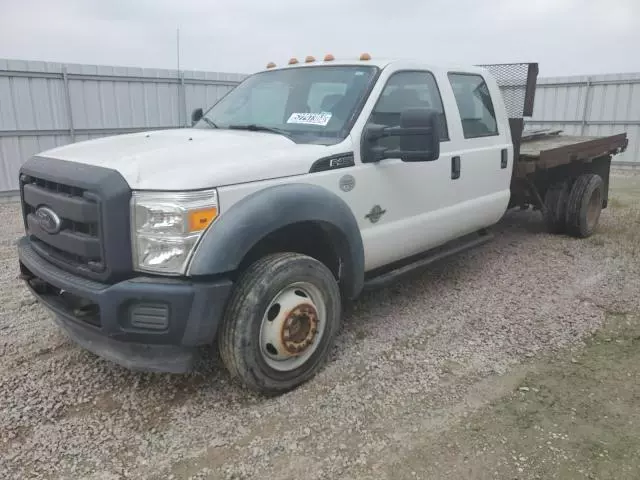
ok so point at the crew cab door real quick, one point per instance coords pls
(402, 206)
(484, 152)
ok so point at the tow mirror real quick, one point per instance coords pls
(196, 115)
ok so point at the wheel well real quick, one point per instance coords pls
(308, 238)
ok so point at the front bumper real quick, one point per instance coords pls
(145, 323)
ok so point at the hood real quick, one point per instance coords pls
(189, 159)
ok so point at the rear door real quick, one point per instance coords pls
(483, 163)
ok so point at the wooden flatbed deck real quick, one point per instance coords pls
(544, 150)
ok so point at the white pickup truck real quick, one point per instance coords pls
(304, 185)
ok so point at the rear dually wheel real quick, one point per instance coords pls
(584, 205)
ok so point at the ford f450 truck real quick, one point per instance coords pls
(303, 186)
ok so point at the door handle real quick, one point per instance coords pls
(504, 158)
(455, 168)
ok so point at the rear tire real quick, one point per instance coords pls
(555, 202)
(584, 205)
(280, 323)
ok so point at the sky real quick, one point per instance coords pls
(566, 37)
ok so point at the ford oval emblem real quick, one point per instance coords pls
(48, 220)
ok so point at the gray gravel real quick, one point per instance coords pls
(412, 358)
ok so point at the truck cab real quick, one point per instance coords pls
(302, 186)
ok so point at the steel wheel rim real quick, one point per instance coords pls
(292, 326)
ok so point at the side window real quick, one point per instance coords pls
(408, 90)
(474, 104)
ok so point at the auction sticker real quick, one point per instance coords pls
(320, 119)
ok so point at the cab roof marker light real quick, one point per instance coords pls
(271, 65)
(310, 59)
(293, 61)
(365, 56)
(329, 58)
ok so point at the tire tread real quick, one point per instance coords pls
(230, 349)
(584, 186)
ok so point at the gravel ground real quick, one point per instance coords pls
(412, 360)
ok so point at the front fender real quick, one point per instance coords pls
(231, 237)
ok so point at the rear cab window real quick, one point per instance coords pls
(474, 105)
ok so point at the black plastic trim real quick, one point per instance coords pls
(333, 162)
(73, 208)
(195, 309)
(225, 244)
(112, 196)
(77, 244)
(455, 167)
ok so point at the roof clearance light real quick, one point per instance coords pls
(329, 58)
(309, 59)
(271, 65)
(293, 61)
(365, 56)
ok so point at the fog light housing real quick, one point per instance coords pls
(149, 316)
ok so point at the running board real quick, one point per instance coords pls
(451, 248)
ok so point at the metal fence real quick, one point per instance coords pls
(44, 105)
(593, 106)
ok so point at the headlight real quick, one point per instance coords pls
(166, 227)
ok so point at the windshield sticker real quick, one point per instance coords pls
(320, 119)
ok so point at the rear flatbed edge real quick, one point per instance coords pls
(556, 150)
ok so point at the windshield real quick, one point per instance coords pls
(307, 104)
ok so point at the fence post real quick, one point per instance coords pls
(586, 109)
(67, 94)
(183, 93)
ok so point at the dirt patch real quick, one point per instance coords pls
(575, 415)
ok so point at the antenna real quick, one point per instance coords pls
(178, 48)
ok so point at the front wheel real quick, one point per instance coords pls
(281, 322)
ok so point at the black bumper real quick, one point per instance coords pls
(145, 323)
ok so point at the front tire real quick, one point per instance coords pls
(280, 323)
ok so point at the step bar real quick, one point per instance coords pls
(400, 270)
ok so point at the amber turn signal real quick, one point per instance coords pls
(201, 219)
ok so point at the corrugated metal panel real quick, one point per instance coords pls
(104, 99)
(37, 112)
(596, 105)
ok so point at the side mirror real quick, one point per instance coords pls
(196, 115)
(419, 139)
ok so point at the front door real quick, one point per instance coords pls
(404, 209)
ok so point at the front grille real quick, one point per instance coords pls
(78, 242)
(83, 225)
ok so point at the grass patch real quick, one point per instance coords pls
(575, 416)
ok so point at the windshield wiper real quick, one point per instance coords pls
(210, 122)
(260, 128)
